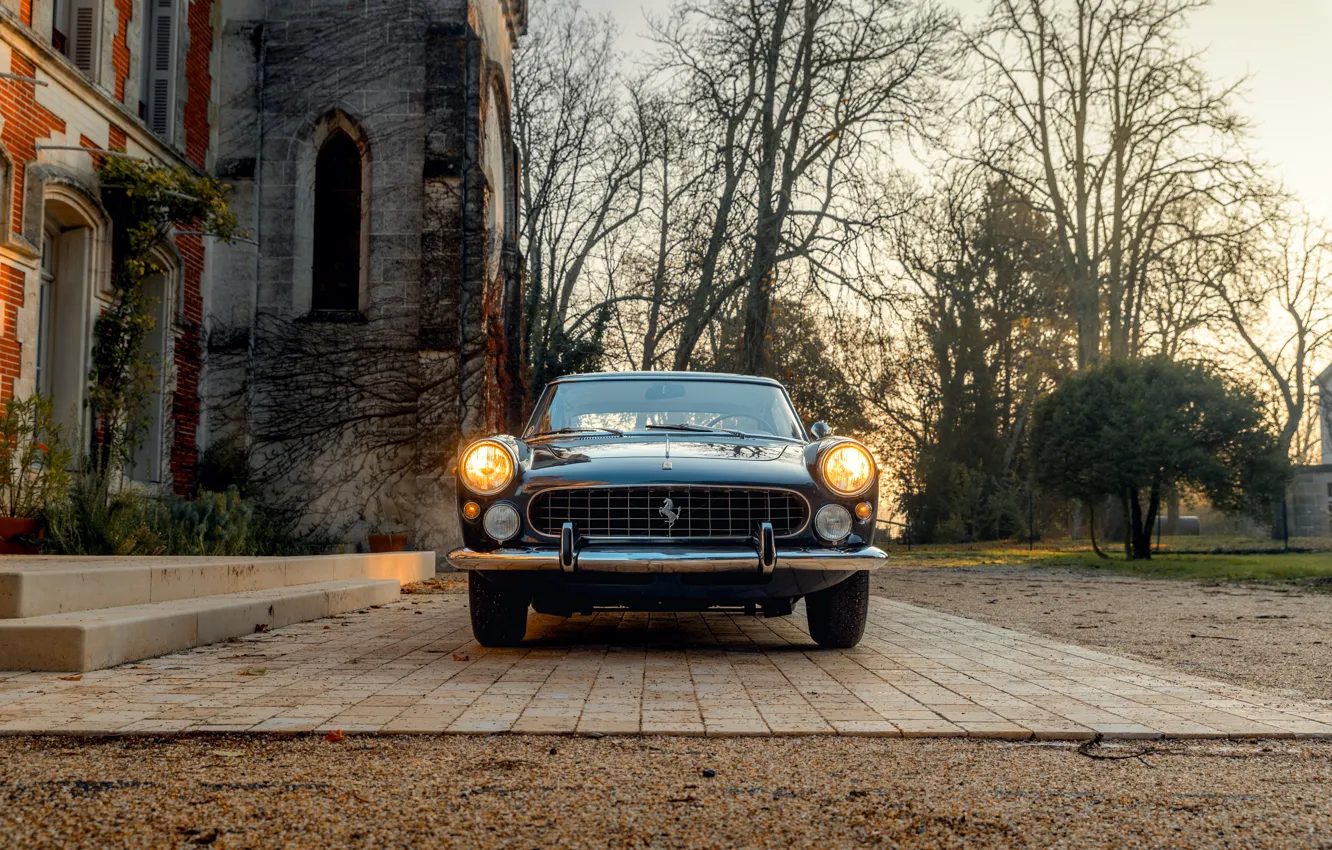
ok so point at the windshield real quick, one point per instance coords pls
(647, 405)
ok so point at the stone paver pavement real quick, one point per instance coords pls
(413, 667)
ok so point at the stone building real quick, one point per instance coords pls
(369, 322)
(1309, 499)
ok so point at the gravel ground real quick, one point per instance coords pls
(512, 791)
(1272, 636)
(536, 791)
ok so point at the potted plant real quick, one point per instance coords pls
(34, 472)
(388, 541)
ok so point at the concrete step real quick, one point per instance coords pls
(91, 640)
(40, 585)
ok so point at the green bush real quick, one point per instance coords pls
(34, 461)
(1135, 430)
(138, 523)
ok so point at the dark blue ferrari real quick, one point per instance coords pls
(667, 491)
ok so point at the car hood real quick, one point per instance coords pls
(584, 451)
(635, 460)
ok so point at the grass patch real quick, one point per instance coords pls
(1306, 564)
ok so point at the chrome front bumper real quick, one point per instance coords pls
(673, 558)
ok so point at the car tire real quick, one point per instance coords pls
(499, 616)
(837, 615)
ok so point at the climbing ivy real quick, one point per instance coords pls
(147, 203)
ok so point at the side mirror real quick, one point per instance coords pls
(820, 430)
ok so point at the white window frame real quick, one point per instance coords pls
(78, 266)
(150, 463)
(45, 306)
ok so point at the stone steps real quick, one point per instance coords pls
(34, 586)
(80, 614)
(91, 640)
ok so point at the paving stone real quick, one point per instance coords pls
(917, 673)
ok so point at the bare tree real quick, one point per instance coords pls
(585, 143)
(1095, 110)
(795, 100)
(1277, 299)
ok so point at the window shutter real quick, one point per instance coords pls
(161, 76)
(83, 28)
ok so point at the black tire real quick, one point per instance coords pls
(499, 616)
(837, 615)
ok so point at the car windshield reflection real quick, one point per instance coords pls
(620, 406)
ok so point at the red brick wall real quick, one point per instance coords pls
(97, 158)
(25, 124)
(185, 411)
(198, 81)
(120, 54)
(11, 294)
(189, 355)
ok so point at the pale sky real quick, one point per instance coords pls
(1284, 46)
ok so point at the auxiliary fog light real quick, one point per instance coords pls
(501, 521)
(832, 522)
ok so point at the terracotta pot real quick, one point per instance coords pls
(11, 527)
(388, 543)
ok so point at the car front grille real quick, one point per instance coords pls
(697, 512)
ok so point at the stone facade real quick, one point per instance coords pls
(353, 416)
(1310, 494)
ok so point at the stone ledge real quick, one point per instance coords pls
(92, 640)
(41, 585)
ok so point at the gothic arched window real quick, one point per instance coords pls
(337, 225)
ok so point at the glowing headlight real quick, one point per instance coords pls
(847, 469)
(486, 468)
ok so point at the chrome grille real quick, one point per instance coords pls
(718, 512)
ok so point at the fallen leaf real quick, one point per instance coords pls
(461, 657)
(260, 627)
(334, 737)
(257, 671)
(78, 678)
(326, 628)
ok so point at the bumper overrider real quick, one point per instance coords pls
(669, 556)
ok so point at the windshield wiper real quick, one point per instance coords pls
(689, 426)
(706, 429)
(614, 431)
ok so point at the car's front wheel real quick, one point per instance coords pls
(837, 615)
(499, 616)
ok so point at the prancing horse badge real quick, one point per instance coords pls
(671, 513)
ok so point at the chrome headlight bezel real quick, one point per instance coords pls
(832, 512)
(494, 489)
(842, 445)
(492, 517)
